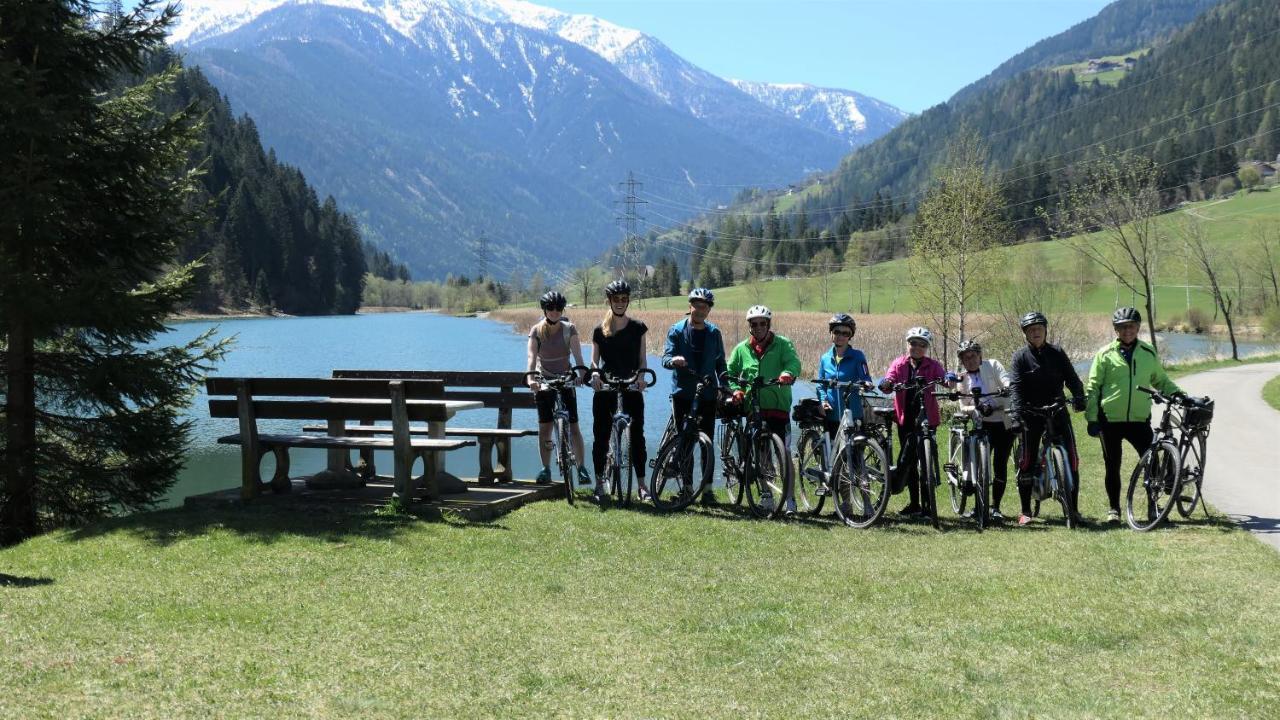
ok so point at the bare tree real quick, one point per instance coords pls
(956, 224)
(800, 291)
(1265, 238)
(586, 278)
(1213, 262)
(824, 266)
(754, 285)
(1110, 217)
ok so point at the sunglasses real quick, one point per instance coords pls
(759, 323)
(917, 343)
(620, 299)
(842, 333)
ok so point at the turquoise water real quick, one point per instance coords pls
(314, 347)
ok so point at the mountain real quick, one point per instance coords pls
(438, 120)
(844, 113)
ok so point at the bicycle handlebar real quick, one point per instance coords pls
(755, 383)
(918, 383)
(557, 380)
(1182, 399)
(975, 393)
(624, 383)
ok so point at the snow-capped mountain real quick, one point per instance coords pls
(436, 120)
(840, 112)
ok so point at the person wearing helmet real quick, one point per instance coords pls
(767, 355)
(841, 363)
(1115, 409)
(695, 349)
(617, 350)
(988, 376)
(551, 341)
(1037, 375)
(916, 363)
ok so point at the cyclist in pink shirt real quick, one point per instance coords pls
(915, 364)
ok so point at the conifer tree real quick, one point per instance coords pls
(93, 203)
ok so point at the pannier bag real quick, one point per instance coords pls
(808, 412)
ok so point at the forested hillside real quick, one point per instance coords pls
(1197, 105)
(270, 242)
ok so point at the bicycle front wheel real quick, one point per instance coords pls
(1152, 486)
(678, 472)
(564, 457)
(623, 472)
(811, 485)
(768, 476)
(930, 479)
(731, 454)
(980, 476)
(1060, 481)
(1192, 475)
(860, 482)
(956, 469)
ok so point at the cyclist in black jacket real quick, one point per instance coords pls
(1037, 375)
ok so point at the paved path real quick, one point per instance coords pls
(1243, 474)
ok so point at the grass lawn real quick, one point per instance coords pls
(1271, 392)
(575, 612)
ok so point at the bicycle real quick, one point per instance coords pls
(560, 422)
(766, 466)
(1173, 462)
(859, 475)
(968, 466)
(683, 446)
(1055, 479)
(923, 443)
(619, 475)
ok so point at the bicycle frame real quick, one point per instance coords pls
(755, 429)
(923, 442)
(1054, 438)
(973, 443)
(620, 424)
(560, 419)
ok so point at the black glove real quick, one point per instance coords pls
(1094, 429)
(1077, 403)
(985, 409)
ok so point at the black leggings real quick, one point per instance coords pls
(1138, 434)
(603, 405)
(1001, 447)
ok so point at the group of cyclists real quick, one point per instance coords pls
(1039, 374)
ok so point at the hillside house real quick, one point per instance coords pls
(1097, 66)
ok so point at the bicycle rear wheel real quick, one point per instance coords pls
(768, 476)
(1192, 475)
(810, 483)
(860, 483)
(678, 472)
(1061, 482)
(564, 457)
(1152, 486)
(731, 461)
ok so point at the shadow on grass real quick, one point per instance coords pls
(270, 522)
(18, 581)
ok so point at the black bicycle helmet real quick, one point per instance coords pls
(968, 345)
(842, 319)
(1035, 317)
(617, 287)
(552, 300)
(1126, 315)
(702, 294)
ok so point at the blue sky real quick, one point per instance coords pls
(911, 53)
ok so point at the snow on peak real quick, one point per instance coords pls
(208, 18)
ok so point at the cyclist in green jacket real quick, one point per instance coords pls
(767, 355)
(1115, 409)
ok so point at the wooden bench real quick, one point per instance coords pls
(503, 390)
(336, 402)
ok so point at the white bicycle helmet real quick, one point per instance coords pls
(759, 311)
(920, 333)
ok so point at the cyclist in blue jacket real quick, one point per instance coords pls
(695, 345)
(841, 363)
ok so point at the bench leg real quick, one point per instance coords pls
(503, 471)
(486, 475)
(280, 481)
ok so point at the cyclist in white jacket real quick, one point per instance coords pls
(989, 376)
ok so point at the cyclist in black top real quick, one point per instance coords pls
(1037, 375)
(617, 350)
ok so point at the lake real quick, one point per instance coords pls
(315, 346)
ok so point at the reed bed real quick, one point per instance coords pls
(880, 337)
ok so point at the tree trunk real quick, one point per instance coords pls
(18, 518)
(1151, 314)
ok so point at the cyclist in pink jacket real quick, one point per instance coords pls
(915, 364)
